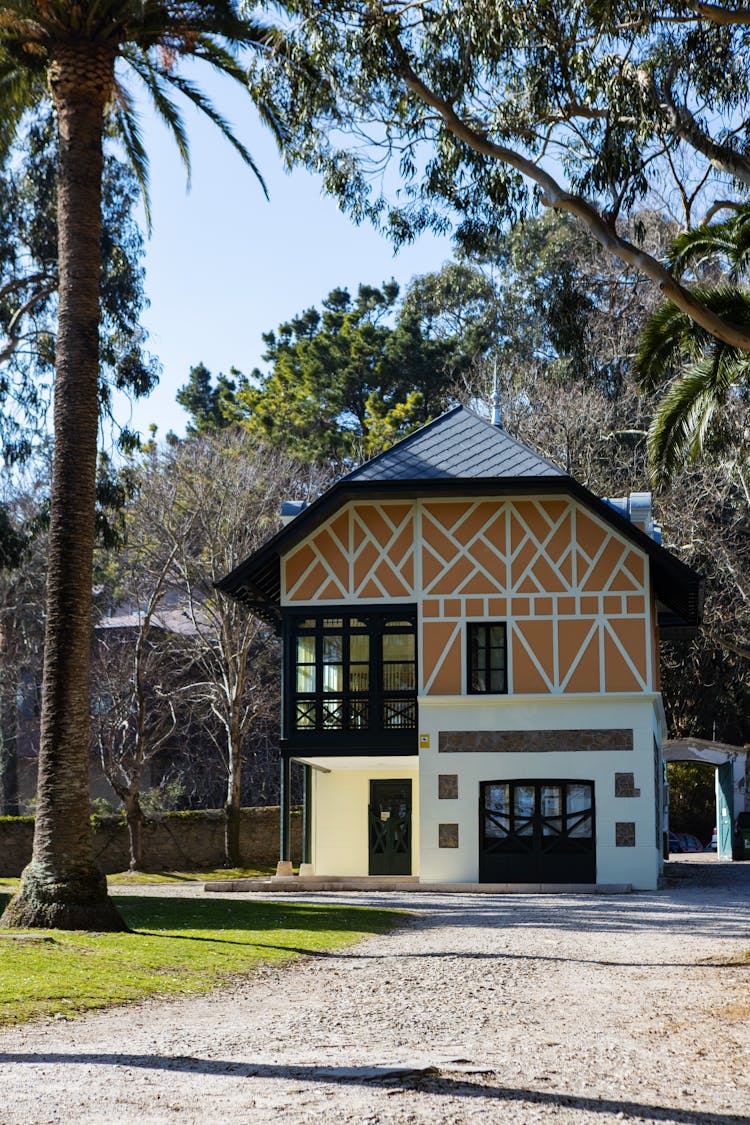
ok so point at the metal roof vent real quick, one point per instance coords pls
(637, 508)
(290, 509)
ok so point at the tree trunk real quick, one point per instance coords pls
(62, 887)
(232, 810)
(8, 757)
(8, 719)
(134, 817)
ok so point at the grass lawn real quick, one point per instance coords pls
(153, 878)
(178, 946)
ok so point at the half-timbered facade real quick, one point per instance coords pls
(471, 666)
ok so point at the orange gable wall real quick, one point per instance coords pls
(574, 593)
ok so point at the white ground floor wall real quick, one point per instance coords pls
(446, 817)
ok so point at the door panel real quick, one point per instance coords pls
(389, 827)
(724, 809)
(537, 832)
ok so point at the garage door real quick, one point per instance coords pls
(537, 832)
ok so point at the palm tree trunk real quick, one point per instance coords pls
(62, 887)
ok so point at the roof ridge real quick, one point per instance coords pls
(516, 441)
(402, 442)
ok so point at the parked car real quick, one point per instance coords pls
(713, 846)
(675, 843)
(689, 842)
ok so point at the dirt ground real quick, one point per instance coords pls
(515, 1008)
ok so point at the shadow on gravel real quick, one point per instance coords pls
(434, 1080)
(706, 900)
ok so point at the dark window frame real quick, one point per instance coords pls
(472, 672)
(377, 710)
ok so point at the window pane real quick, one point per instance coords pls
(359, 677)
(578, 807)
(551, 800)
(305, 650)
(333, 649)
(333, 623)
(357, 623)
(359, 647)
(497, 680)
(398, 677)
(497, 636)
(398, 646)
(399, 623)
(523, 800)
(306, 678)
(578, 798)
(333, 678)
(497, 798)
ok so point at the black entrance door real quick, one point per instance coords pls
(389, 827)
(536, 832)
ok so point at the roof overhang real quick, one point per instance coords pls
(257, 581)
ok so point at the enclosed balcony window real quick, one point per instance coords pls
(353, 672)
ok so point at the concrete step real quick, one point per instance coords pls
(410, 884)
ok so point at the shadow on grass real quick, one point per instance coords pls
(440, 1081)
(153, 915)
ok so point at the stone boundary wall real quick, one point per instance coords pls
(178, 841)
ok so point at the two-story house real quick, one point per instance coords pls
(471, 666)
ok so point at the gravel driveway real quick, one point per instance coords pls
(488, 1008)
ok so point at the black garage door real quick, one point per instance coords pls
(537, 832)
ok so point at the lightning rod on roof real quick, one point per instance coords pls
(497, 418)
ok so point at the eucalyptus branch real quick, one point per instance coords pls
(556, 198)
(724, 17)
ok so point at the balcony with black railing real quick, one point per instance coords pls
(351, 681)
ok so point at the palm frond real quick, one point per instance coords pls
(156, 84)
(671, 339)
(729, 240)
(685, 416)
(206, 106)
(128, 128)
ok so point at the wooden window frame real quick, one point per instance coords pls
(385, 710)
(472, 629)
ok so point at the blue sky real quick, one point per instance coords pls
(223, 265)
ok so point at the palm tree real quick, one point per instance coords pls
(708, 381)
(84, 49)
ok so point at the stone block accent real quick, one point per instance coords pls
(624, 834)
(447, 835)
(625, 785)
(531, 741)
(447, 786)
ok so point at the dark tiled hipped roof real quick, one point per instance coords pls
(461, 454)
(458, 445)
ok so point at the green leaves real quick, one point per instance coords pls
(708, 381)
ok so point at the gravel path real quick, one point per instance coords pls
(502, 1009)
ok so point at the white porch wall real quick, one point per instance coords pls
(340, 801)
(639, 865)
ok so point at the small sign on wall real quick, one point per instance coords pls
(424, 742)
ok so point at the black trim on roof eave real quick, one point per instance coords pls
(242, 580)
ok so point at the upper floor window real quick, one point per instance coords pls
(487, 671)
(354, 672)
